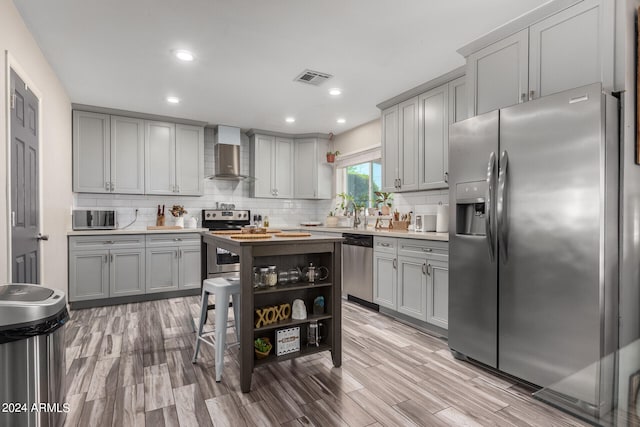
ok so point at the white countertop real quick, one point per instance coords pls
(443, 237)
(132, 231)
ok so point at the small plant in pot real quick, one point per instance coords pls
(332, 219)
(331, 156)
(384, 200)
(262, 347)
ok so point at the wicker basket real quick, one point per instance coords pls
(401, 225)
(264, 354)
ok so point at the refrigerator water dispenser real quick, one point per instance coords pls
(470, 208)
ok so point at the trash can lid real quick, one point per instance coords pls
(28, 304)
(21, 292)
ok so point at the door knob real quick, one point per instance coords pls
(41, 236)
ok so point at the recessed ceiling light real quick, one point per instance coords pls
(341, 121)
(173, 100)
(290, 120)
(184, 55)
(335, 91)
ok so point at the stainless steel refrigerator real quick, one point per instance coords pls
(533, 285)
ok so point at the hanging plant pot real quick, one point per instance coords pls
(331, 157)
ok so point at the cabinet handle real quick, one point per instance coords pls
(105, 258)
(523, 97)
(446, 177)
(176, 253)
(111, 257)
(177, 239)
(177, 188)
(424, 268)
(429, 269)
(531, 93)
(395, 263)
(107, 185)
(112, 186)
(427, 250)
(386, 245)
(180, 254)
(109, 242)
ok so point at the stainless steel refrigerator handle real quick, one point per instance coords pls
(501, 210)
(488, 201)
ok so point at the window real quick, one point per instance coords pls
(362, 180)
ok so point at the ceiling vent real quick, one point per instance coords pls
(311, 77)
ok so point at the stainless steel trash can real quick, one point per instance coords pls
(32, 353)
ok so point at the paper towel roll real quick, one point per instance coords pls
(442, 219)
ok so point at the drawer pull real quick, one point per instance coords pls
(427, 250)
(386, 245)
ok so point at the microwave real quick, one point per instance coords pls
(94, 220)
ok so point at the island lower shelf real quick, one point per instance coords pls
(304, 351)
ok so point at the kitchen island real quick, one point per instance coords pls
(286, 253)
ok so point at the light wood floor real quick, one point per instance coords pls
(131, 365)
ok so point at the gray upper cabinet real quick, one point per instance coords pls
(497, 76)
(390, 149)
(108, 153)
(189, 160)
(160, 164)
(566, 50)
(408, 156)
(272, 166)
(434, 137)
(569, 47)
(91, 152)
(458, 108)
(127, 155)
(400, 150)
(312, 175)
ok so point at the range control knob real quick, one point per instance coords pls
(214, 215)
(208, 214)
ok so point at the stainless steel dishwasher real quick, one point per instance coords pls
(357, 269)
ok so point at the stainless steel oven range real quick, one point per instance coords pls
(220, 262)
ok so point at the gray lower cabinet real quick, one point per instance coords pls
(173, 262)
(384, 280)
(88, 275)
(437, 273)
(109, 266)
(105, 267)
(412, 287)
(411, 276)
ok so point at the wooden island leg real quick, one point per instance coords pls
(336, 347)
(246, 319)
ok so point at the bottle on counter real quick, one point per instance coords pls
(255, 220)
(265, 222)
(259, 223)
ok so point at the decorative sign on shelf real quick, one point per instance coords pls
(287, 340)
(268, 315)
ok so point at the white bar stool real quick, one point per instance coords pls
(222, 289)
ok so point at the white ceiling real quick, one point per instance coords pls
(117, 54)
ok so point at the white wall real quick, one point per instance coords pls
(55, 152)
(359, 138)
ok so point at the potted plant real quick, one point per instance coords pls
(331, 156)
(345, 200)
(384, 201)
(262, 347)
(332, 219)
(178, 212)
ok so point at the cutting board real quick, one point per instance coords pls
(164, 227)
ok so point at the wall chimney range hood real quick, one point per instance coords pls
(226, 150)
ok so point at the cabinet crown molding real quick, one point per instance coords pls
(424, 87)
(252, 132)
(136, 115)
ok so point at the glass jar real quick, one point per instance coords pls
(294, 275)
(272, 275)
(283, 277)
(260, 277)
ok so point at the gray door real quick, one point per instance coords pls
(473, 275)
(552, 238)
(24, 183)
